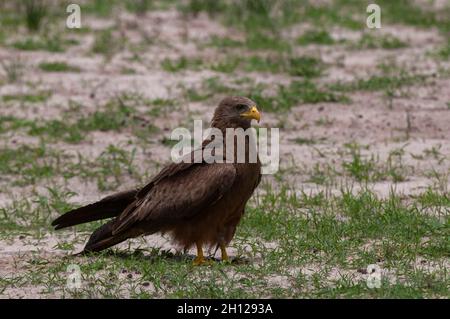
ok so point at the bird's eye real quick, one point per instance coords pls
(241, 107)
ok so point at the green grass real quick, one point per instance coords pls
(346, 231)
(58, 67)
(254, 42)
(29, 165)
(116, 115)
(13, 69)
(105, 43)
(296, 66)
(34, 12)
(321, 37)
(305, 141)
(102, 8)
(161, 106)
(10, 20)
(369, 169)
(370, 41)
(431, 198)
(340, 13)
(32, 163)
(285, 97)
(258, 42)
(35, 44)
(180, 64)
(139, 6)
(380, 82)
(297, 93)
(224, 42)
(403, 12)
(444, 51)
(30, 98)
(251, 15)
(303, 66)
(358, 165)
(262, 21)
(34, 214)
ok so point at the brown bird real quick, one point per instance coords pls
(196, 203)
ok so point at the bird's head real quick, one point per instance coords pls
(234, 112)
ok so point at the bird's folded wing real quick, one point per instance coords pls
(179, 196)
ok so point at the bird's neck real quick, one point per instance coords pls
(222, 124)
(245, 143)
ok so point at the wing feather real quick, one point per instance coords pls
(178, 196)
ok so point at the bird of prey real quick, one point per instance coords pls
(198, 203)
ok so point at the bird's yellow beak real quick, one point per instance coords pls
(253, 114)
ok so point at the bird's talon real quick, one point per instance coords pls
(198, 262)
(225, 258)
(201, 261)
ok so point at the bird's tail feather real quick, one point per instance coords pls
(108, 207)
(103, 238)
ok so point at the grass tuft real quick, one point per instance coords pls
(58, 67)
(321, 37)
(388, 42)
(34, 13)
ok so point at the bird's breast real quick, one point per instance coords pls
(247, 175)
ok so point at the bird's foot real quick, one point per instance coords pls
(226, 260)
(199, 261)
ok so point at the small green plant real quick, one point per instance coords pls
(197, 6)
(30, 98)
(433, 198)
(102, 8)
(324, 121)
(296, 93)
(27, 162)
(13, 69)
(405, 12)
(161, 106)
(258, 41)
(359, 167)
(47, 43)
(322, 174)
(58, 67)
(115, 115)
(228, 65)
(34, 13)
(180, 64)
(389, 42)
(168, 142)
(444, 52)
(365, 168)
(224, 42)
(380, 82)
(138, 6)
(304, 141)
(113, 164)
(104, 43)
(321, 37)
(304, 66)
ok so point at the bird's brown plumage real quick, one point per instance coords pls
(197, 203)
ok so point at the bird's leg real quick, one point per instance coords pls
(224, 252)
(200, 259)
